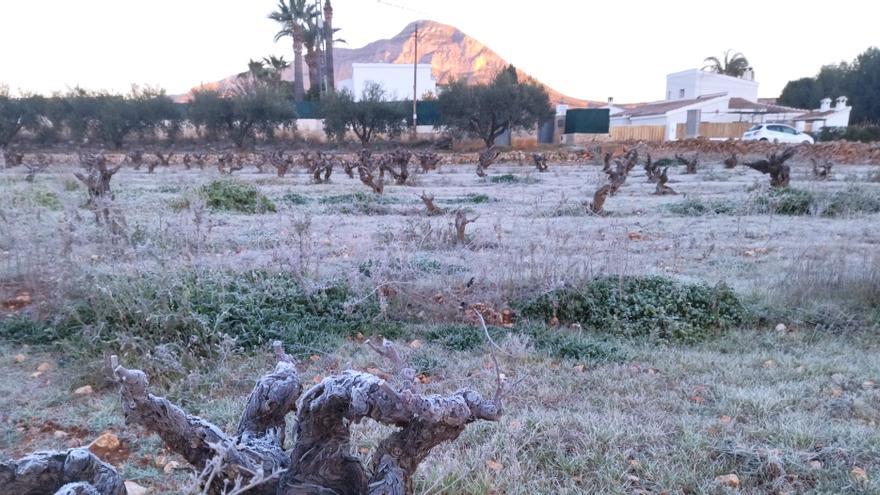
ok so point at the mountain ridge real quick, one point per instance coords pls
(451, 53)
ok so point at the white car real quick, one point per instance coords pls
(777, 133)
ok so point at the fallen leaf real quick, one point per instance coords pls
(84, 390)
(730, 480)
(494, 466)
(44, 367)
(20, 358)
(859, 474)
(415, 344)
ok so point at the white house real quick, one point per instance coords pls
(396, 79)
(718, 106)
(695, 83)
(825, 115)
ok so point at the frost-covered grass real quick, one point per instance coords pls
(600, 410)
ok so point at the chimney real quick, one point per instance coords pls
(841, 103)
(825, 104)
(749, 74)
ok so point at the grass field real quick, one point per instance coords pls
(726, 330)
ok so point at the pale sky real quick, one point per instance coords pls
(589, 50)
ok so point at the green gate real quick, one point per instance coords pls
(587, 121)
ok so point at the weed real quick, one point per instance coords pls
(652, 306)
(179, 204)
(236, 196)
(296, 198)
(695, 207)
(787, 201)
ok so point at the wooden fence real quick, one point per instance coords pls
(713, 130)
(638, 133)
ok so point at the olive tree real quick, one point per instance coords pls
(372, 114)
(486, 111)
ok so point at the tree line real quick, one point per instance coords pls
(256, 105)
(858, 80)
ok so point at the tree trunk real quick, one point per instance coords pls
(312, 59)
(76, 471)
(253, 461)
(299, 93)
(328, 41)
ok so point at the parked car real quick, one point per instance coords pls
(777, 133)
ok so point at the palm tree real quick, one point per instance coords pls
(734, 64)
(328, 43)
(312, 41)
(293, 17)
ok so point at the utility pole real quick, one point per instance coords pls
(415, 80)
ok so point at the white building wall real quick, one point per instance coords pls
(695, 83)
(397, 79)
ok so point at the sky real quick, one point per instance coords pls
(591, 50)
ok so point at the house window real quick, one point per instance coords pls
(681, 93)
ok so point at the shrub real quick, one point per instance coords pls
(360, 203)
(191, 315)
(460, 337)
(635, 306)
(695, 207)
(564, 344)
(234, 195)
(787, 201)
(471, 198)
(853, 199)
(296, 198)
(505, 179)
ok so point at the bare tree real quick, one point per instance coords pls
(320, 461)
(399, 159)
(486, 159)
(229, 162)
(260, 160)
(429, 204)
(164, 158)
(39, 163)
(731, 162)
(366, 168)
(689, 163)
(73, 472)
(135, 158)
(540, 160)
(599, 197)
(461, 223)
(97, 178)
(652, 170)
(821, 171)
(662, 188)
(428, 160)
(282, 163)
(780, 173)
(97, 175)
(11, 158)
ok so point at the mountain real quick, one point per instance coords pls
(451, 53)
